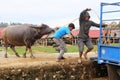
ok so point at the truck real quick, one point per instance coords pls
(109, 51)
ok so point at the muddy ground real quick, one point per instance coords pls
(45, 67)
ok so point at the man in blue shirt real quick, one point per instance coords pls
(57, 37)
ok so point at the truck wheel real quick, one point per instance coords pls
(113, 72)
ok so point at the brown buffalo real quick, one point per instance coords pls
(23, 35)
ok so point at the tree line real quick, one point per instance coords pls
(5, 24)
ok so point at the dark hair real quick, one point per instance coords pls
(71, 25)
(86, 14)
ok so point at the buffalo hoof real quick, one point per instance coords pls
(24, 56)
(17, 55)
(6, 56)
(32, 56)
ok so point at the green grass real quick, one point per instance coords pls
(46, 49)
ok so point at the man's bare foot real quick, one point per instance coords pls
(79, 61)
(85, 56)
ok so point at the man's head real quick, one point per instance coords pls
(86, 16)
(71, 26)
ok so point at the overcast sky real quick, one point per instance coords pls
(51, 12)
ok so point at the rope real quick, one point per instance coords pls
(96, 14)
(78, 17)
(72, 21)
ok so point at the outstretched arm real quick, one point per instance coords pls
(98, 25)
(70, 37)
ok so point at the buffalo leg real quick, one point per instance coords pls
(24, 55)
(13, 48)
(30, 50)
(28, 46)
(6, 47)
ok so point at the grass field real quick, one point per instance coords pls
(46, 49)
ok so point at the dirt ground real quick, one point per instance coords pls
(41, 59)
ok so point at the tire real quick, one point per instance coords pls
(113, 72)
